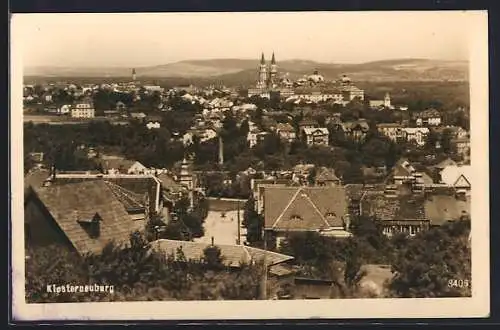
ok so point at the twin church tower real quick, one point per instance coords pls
(268, 74)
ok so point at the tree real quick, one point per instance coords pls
(436, 263)
(252, 221)
(212, 257)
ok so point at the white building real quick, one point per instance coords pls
(417, 134)
(153, 124)
(83, 110)
(458, 177)
(315, 136)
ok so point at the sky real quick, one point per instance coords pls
(144, 39)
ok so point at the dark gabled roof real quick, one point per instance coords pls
(304, 208)
(68, 203)
(233, 255)
(428, 113)
(385, 208)
(326, 174)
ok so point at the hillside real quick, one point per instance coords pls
(242, 72)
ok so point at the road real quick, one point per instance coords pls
(224, 230)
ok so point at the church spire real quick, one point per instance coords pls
(273, 60)
(262, 60)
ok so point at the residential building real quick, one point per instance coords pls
(356, 130)
(83, 109)
(416, 134)
(80, 216)
(138, 115)
(65, 109)
(458, 177)
(308, 123)
(326, 177)
(392, 130)
(119, 165)
(203, 133)
(315, 136)
(301, 209)
(255, 136)
(428, 117)
(286, 132)
(395, 213)
(403, 172)
(462, 146)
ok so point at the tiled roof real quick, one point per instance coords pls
(385, 208)
(285, 127)
(70, 202)
(428, 113)
(129, 199)
(117, 163)
(440, 208)
(304, 208)
(359, 124)
(168, 183)
(326, 174)
(309, 130)
(354, 191)
(34, 178)
(233, 255)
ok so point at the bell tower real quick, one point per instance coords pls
(262, 83)
(387, 100)
(273, 72)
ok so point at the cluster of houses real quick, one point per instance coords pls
(412, 199)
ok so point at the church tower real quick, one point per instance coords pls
(262, 83)
(133, 74)
(273, 72)
(387, 100)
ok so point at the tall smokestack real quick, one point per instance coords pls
(221, 151)
(133, 74)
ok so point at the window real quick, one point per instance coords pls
(295, 217)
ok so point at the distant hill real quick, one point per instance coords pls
(242, 71)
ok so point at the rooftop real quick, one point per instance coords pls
(233, 255)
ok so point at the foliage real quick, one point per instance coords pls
(253, 222)
(137, 273)
(426, 264)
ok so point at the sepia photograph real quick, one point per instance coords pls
(249, 165)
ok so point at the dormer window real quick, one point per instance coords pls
(90, 224)
(330, 215)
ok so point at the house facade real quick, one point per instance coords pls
(83, 110)
(302, 209)
(392, 130)
(428, 117)
(286, 132)
(315, 136)
(396, 214)
(416, 134)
